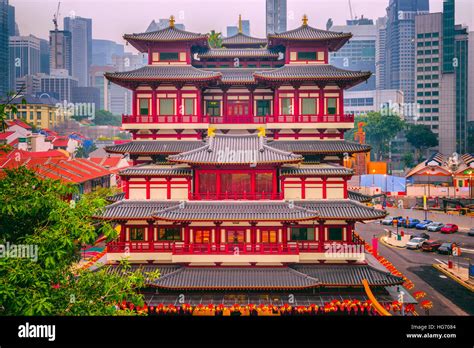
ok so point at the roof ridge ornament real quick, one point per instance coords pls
(172, 20)
(305, 20)
(240, 24)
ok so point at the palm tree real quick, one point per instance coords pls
(215, 39)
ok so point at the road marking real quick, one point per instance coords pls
(469, 251)
(443, 276)
(441, 261)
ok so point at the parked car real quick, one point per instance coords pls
(411, 223)
(471, 232)
(450, 228)
(435, 227)
(389, 220)
(420, 235)
(446, 248)
(431, 245)
(422, 225)
(415, 243)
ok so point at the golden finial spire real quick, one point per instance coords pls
(172, 22)
(240, 24)
(305, 20)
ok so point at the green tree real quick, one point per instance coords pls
(106, 118)
(380, 130)
(8, 107)
(408, 159)
(51, 283)
(215, 39)
(83, 151)
(421, 138)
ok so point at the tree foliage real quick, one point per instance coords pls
(380, 130)
(421, 138)
(83, 151)
(36, 212)
(215, 39)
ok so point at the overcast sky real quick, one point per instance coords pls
(113, 18)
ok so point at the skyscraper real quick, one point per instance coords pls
(44, 56)
(24, 57)
(400, 48)
(103, 50)
(359, 52)
(60, 45)
(442, 78)
(380, 53)
(4, 49)
(81, 35)
(12, 26)
(276, 16)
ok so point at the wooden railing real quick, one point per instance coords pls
(147, 119)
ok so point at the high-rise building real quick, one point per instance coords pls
(4, 49)
(359, 52)
(442, 78)
(103, 50)
(29, 84)
(380, 53)
(276, 16)
(98, 81)
(400, 48)
(12, 25)
(59, 85)
(44, 56)
(471, 77)
(81, 35)
(60, 44)
(89, 95)
(162, 24)
(25, 58)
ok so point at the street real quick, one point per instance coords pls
(449, 297)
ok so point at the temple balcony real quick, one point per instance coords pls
(245, 196)
(193, 121)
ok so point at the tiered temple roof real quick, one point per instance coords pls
(241, 40)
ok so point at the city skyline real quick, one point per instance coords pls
(35, 16)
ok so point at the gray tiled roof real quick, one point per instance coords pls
(313, 72)
(117, 197)
(129, 210)
(243, 40)
(168, 34)
(316, 170)
(163, 73)
(236, 211)
(164, 269)
(348, 275)
(238, 53)
(236, 149)
(235, 278)
(156, 170)
(237, 75)
(297, 276)
(359, 197)
(307, 33)
(319, 146)
(154, 147)
(342, 210)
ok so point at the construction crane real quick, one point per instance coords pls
(56, 17)
(350, 9)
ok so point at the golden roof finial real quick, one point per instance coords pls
(305, 20)
(240, 24)
(172, 22)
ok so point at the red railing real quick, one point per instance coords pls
(116, 247)
(128, 119)
(212, 196)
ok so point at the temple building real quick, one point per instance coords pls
(239, 186)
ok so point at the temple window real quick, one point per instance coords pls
(202, 236)
(306, 55)
(263, 107)
(169, 56)
(166, 107)
(207, 183)
(264, 182)
(302, 233)
(137, 233)
(235, 236)
(235, 183)
(331, 108)
(269, 236)
(188, 106)
(169, 234)
(237, 108)
(286, 106)
(144, 106)
(309, 106)
(335, 233)
(213, 108)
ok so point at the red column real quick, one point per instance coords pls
(218, 233)
(253, 184)
(179, 103)
(134, 103)
(296, 107)
(303, 188)
(349, 233)
(123, 232)
(325, 188)
(341, 103)
(321, 235)
(199, 104)
(321, 104)
(186, 234)
(168, 188)
(224, 103)
(276, 104)
(346, 194)
(126, 187)
(253, 233)
(147, 180)
(189, 188)
(151, 230)
(284, 235)
(275, 184)
(251, 113)
(154, 111)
